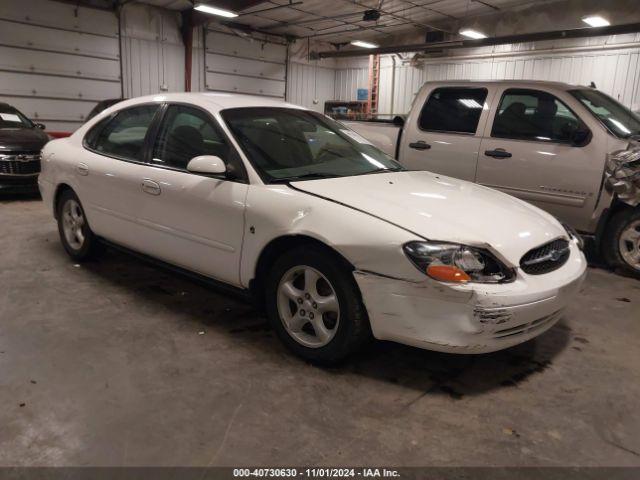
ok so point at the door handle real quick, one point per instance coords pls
(151, 187)
(82, 169)
(497, 153)
(420, 145)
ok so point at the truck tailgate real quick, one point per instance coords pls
(382, 135)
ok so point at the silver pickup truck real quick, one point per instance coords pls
(570, 150)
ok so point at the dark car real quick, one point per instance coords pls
(103, 105)
(20, 143)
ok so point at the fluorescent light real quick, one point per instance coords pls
(360, 43)
(596, 21)
(203, 7)
(469, 103)
(467, 32)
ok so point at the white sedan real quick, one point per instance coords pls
(333, 237)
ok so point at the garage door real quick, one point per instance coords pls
(245, 64)
(57, 60)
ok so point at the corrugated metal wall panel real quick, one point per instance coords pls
(253, 65)
(56, 60)
(348, 81)
(152, 51)
(308, 83)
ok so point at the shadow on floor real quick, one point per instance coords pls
(424, 371)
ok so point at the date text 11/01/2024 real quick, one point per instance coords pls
(316, 472)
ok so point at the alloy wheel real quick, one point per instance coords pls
(72, 224)
(629, 244)
(308, 306)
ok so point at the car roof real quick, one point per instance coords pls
(214, 100)
(514, 83)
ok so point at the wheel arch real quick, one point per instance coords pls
(277, 247)
(60, 189)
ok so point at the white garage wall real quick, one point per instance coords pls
(56, 60)
(152, 50)
(244, 63)
(198, 72)
(613, 63)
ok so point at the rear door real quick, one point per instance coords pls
(528, 151)
(192, 220)
(444, 135)
(109, 173)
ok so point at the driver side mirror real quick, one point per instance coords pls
(41, 126)
(580, 137)
(207, 164)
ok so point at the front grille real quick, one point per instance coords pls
(547, 258)
(20, 163)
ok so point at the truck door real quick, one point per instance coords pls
(538, 149)
(444, 135)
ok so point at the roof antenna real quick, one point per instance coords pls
(592, 85)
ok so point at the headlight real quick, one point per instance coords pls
(450, 262)
(574, 235)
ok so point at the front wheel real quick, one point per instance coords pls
(314, 305)
(77, 238)
(621, 243)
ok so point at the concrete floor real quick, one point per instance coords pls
(119, 363)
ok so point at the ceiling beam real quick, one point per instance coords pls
(519, 38)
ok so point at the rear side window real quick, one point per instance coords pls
(123, 136)
(534, 115)
(455, 110)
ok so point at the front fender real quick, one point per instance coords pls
(367, 242)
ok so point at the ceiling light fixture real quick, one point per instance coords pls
(467, 32)
(360, 43)
(203, 7)
(596, 21)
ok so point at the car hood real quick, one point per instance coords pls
(442, 208)
(22, 139)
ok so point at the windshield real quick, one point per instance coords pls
(621, 121)
(289, 144)
(12, 118)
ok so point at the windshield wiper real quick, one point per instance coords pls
(383, 170)
(306, 176)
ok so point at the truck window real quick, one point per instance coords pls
(453, 110)
(533, 115)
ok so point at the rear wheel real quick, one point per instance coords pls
(621, 242)
(77, 238)
(314, 305)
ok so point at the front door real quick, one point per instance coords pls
(530, 151)
(446, 136)
(193, 220)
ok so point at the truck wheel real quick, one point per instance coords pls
(621, 242)
(313, 303)
(77, 238)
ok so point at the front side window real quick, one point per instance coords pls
(186, 133)
(12, 118)
(123, 135)
(289, 144)
(453, 110)
(621, 121)
(534, 115)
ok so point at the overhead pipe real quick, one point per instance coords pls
(484, 42)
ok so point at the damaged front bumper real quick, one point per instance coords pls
(469, 318)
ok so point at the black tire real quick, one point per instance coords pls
(90, 247)
(611, 250)
(352, 330)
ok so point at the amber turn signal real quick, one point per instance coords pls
(447, 273)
